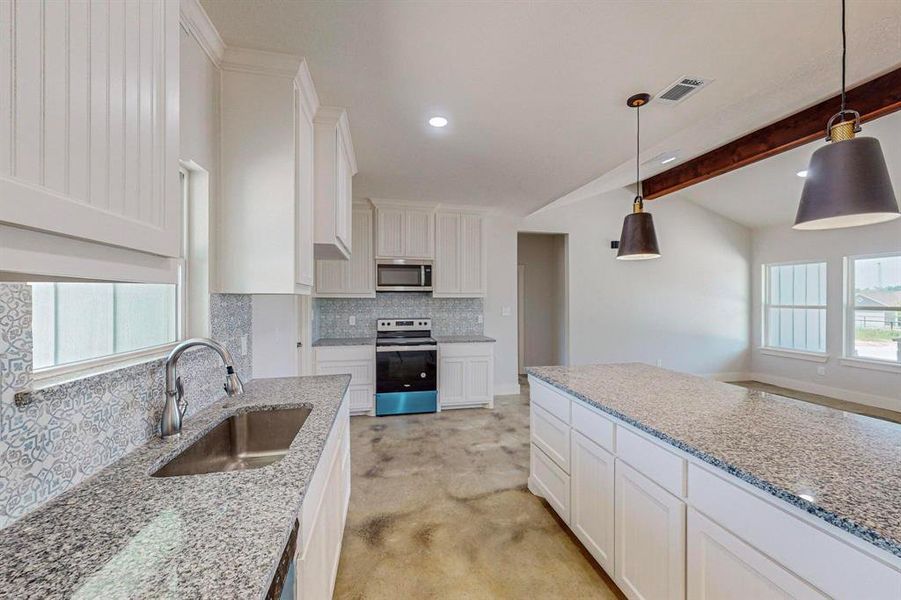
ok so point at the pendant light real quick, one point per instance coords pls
(638, 240)
(847, 182)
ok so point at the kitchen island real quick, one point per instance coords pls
(126, 534)
(682, 486)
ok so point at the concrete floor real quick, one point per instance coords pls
(439, 509)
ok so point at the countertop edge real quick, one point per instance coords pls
(862, 532)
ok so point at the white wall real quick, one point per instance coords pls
(783, 244)
(543, 259)
(689, 309)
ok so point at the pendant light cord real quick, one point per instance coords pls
(637, 149)
(844, 54)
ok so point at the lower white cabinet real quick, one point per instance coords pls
(466, 375)
(649, 548)
(549, 481)
(723, 567)
(359, 363)
(591, 502)
(324, 513)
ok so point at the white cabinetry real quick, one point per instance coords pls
(265, 243)
(404, 231)
(354, 278)
(649, 556)
(356, 361)
(460, 259)
(324, 513)
(591, 505)
(465, 375)
(335, 167)
(723, 567)
(89, 122)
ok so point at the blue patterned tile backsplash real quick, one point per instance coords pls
(70, 431)
(450, 316)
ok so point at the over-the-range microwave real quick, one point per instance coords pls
(403, 275)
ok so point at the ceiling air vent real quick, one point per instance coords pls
(681, 89)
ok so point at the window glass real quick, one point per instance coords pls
(795, 311)
(876, 309)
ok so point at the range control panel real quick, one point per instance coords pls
(404, 324)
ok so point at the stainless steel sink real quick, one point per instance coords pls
(246, 441)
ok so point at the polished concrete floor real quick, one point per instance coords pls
(439, 509)
(860, 409)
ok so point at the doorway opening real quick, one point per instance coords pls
(542, 288)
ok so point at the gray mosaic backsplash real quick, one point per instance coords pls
(70, 431)
(450, 316)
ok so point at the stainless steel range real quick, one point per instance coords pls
(406, 367)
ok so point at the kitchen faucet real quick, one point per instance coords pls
(174, 410)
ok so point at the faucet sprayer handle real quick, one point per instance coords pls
(180, 397)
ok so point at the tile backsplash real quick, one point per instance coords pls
(450, 316)
(70, 431)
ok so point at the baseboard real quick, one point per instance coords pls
(825, 390)
(507, 390)
(728, 376)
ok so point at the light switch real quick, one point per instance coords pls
(506, 311)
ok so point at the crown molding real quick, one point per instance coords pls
(304, 82)
(199, 26)
(336, 116)
(275, 64)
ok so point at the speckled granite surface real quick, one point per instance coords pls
(357, 341)
(462, 339)
(124, 534)
(849, 466)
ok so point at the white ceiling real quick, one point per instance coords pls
(535, 91)
(766, 193)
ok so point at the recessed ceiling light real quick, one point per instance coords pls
(667, 160)
(437, 121)
(802, 173)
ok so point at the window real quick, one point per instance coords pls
(74, 322)
(795, 307)
(874, 308)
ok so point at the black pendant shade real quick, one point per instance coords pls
(847, 185)
(639, 239)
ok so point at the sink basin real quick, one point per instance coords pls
(246, 441)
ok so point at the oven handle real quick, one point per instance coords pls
(405, 348)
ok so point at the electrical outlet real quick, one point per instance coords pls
(352, 320)
(244, 345)
(481, 319)
(506, 311)
(821, 370)
(659, 362)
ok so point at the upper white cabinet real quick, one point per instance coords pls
(335, 167)
(354, 278)
(404, 231)
(89, 121)
(460, 269)
(265, 235)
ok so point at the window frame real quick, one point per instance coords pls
(849, 308)
(765, 348)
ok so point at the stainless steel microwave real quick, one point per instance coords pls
(402, 275)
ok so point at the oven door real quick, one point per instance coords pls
(406, 379)
(403, 276)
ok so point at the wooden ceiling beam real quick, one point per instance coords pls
(872, 100)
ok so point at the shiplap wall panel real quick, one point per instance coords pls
(89, 120)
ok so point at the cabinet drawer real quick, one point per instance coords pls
(549, 399)
(551, 435)
(550, 482)
(661, 466)
(359, 371)
(470, 350)
(831, 565)
(597, 428)
(344, 353)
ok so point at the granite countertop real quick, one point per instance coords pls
(462, 339)
(356, 341)
(123, 533)
(839, 466)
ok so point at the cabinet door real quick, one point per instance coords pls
(389, 232)
(419, 229)
(591, 503)
(446, 276)
(343, 198)
(479, 380)
(452, 381)
(331, 277)
(472, 259)
(723, 567)
(361, 273)
(304, 190)
(89, 121)
(649, 531)
(360, 399)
